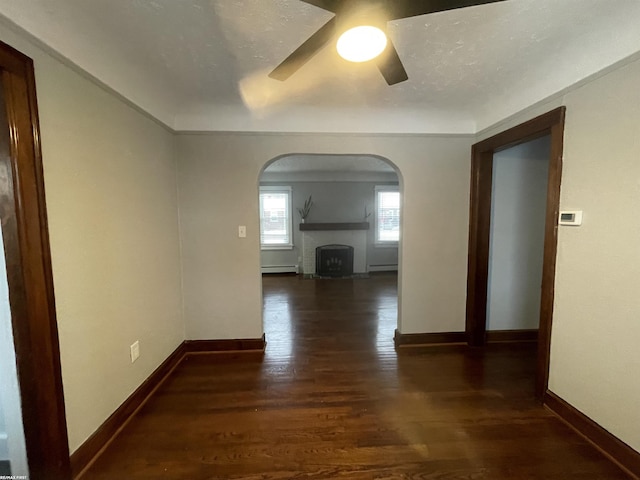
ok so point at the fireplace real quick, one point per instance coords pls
(334, 261)
(315, 235)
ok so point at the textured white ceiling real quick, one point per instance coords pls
(202, 64)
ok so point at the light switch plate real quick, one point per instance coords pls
(135, 351)
(242, 231)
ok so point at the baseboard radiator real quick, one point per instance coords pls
(295, 268)
(384, 268)
(280, 269)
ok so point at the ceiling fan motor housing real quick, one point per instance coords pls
(376, 13)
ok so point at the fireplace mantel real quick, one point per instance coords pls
(315, 227)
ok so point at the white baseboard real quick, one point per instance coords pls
(383, 268)
(280, 269)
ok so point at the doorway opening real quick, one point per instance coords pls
(518, 204)
(550, 124)
(330, 236)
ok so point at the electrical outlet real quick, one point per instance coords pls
(242, 231)
(135, 351)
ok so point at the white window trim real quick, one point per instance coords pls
(278, 188)
(377, 242)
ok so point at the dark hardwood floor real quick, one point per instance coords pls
(331, 398)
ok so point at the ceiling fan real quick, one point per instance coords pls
(356, 13)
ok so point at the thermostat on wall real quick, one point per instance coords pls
(573, 218)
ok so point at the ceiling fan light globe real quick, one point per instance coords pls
(361, 44)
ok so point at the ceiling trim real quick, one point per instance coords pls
(322, 134)
(556, 99)
(25, 36)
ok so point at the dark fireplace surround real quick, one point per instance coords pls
(334, 260)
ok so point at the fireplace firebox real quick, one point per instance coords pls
(334, 261)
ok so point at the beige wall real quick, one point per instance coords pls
(595, 357)
(111, 198)
(218, 190)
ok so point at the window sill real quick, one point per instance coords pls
(276, 247)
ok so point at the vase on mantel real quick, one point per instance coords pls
(302, 220)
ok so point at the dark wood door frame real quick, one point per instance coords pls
(551, 123)
(30, 280)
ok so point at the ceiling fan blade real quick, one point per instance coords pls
(304, 52)
(391, 66)
(330, 5)
(398, 9)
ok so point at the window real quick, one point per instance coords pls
(387, 215)
(275, 217)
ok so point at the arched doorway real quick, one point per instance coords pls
(344, 245)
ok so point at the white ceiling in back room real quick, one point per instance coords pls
(329, 163)
(203, 64)
(329, 168)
